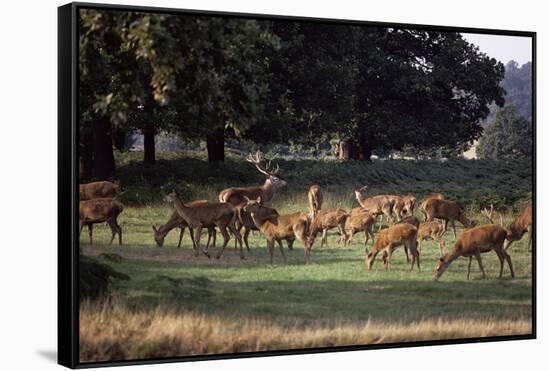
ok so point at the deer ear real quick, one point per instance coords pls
(259, 199)
(246, 198)
(154, 229)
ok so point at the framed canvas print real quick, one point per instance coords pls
(237, 185)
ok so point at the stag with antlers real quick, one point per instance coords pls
(238, 195)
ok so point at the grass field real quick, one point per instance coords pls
(178, 304)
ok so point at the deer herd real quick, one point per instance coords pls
(246, 208)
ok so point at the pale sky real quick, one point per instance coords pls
(503, 48)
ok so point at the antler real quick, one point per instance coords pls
(362, 189)
(488, 214)
(256, 160)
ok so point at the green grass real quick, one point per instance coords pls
(335, 287)
(324, 301)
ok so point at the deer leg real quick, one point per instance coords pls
(270, 246)
(80, 226)
(501, 260)
(226, 239)
(454, 227)
(238, 236)
(290, 243)
(119, 230)
(441, 243)
(406, 253)
(509, 261)
(245, 238)
(209, 238)
(324, 239)
(478, 257)
(416, 256)
(90, 231)
(182, 230)
(388, 264)
(280, 243)
(469, 267)
(198, 232)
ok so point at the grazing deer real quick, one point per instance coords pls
(358, 220)
(176, 221)
(474, 241)
(521, 225)
(431, 231)
(388, 240)
(327, 219)
(376, 205)
(279, 227)
(238, 195)
(244, 220)
(407, 220)
(102, 189)
(409, 202)
(447, 210)
(101, 210)
(221, 214)
(436, 195)
(315, 197)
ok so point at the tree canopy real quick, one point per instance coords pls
(277, 81)
(508, 136)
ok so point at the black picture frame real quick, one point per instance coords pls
(68, 244)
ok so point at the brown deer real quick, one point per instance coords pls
(447, 210)
(474, 241)
(422, 207)
(276, 228)
(407, 220)
(102, 189)
(431, 231)
(176, 221)
(238, 195)
(101, 210)
(327, 219)
(376, 205)
(521, 225)
(358, 220)
(409, 202)
(244, 220)
(315, 198)
(388, 240)
(221, 214)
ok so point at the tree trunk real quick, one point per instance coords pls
(365, 147)
(103, 158)
(149, 144)
(348, 150)
(215, 147)
(86, 158)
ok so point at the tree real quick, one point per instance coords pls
(508, 136)
(518, 85)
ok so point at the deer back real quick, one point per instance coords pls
(99, 209)
(102, 189)
(483, 238)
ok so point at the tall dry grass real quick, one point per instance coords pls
(113, 331)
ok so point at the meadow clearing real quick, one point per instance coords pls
(176, 304)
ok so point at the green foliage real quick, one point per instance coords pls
(95, 278)
(519, 88)
(503, 183)
(508, 136)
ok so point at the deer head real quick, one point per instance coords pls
(271, 175)
(440, 267)
(159, 237)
